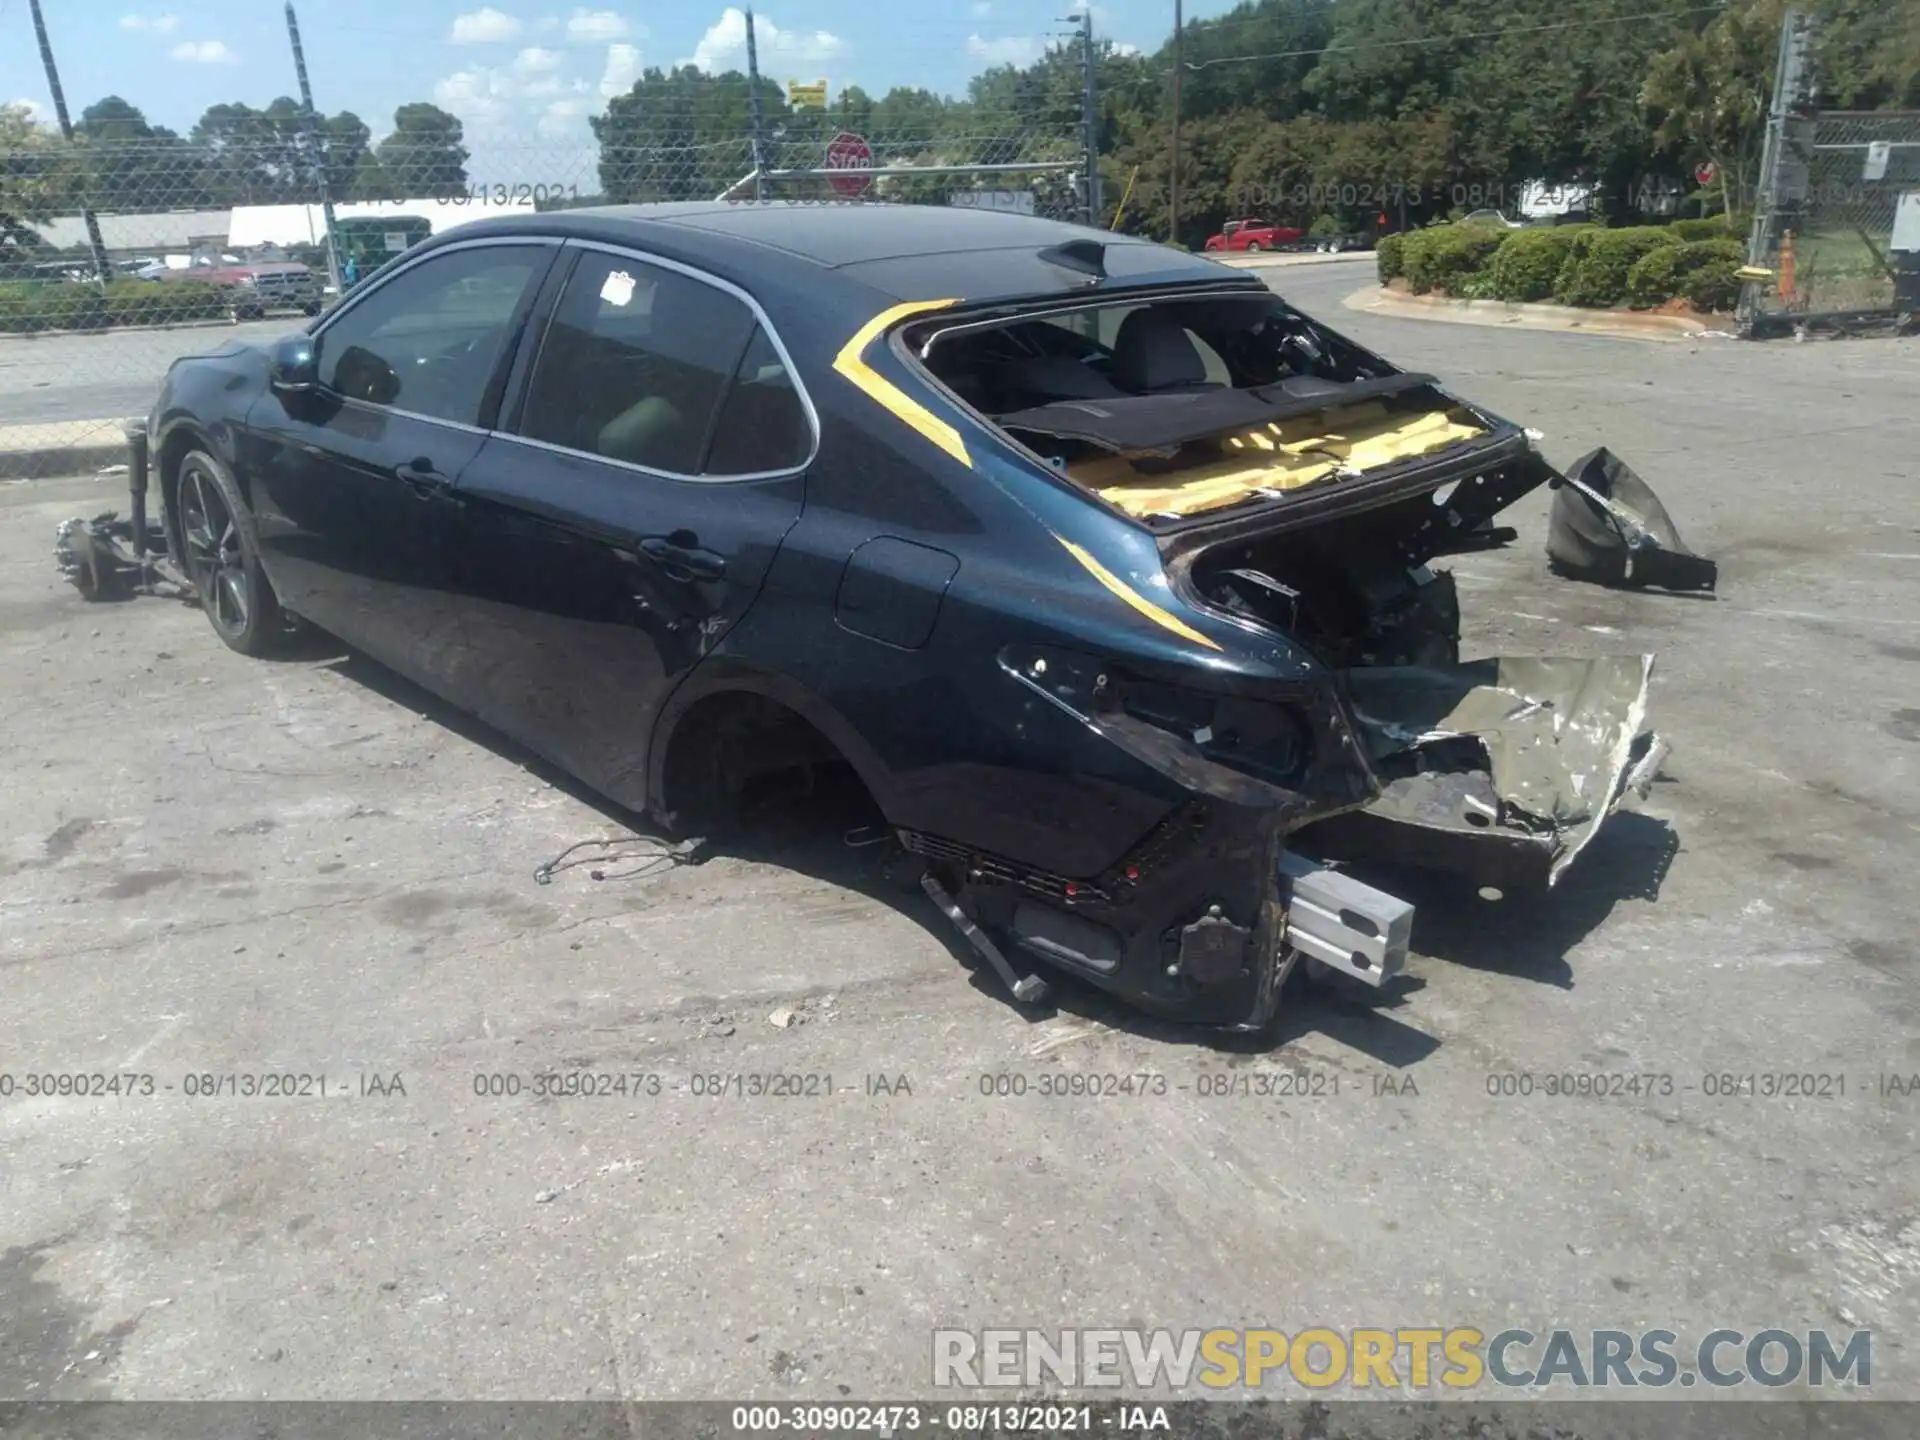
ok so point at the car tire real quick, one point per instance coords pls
(1253, 245)
(221, 551)
(312, 307)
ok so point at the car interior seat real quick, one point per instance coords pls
(1154, 355)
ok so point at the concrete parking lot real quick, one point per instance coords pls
(215, 867)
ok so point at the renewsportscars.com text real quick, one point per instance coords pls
(1452, 1358)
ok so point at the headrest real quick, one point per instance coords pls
(1153, 352)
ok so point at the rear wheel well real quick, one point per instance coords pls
(727, 746)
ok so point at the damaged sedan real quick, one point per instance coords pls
(1108, 573)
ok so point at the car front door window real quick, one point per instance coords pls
(429, 339)
(635, 364)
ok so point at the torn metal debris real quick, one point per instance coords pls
(1607, 526)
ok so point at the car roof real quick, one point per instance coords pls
(902, 252)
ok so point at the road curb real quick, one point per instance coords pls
(105, 445)
(1565, 319)
(1273, 260)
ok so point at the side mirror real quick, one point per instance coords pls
(294, 367)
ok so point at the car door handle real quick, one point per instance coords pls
(682, 559)
(420, 477)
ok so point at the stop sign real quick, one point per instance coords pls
(1704, 172)
(847, 151)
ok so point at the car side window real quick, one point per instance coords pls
(428, 339)
(635, 364)
(763, 423)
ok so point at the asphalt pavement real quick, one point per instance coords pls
(217, 868)
(78, 378)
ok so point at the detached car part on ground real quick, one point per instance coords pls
(1106, 571)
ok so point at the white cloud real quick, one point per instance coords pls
(623, 68)
(485, 26)
(507, 101)
(724, 46)
(204, 52)
(1011, 50)
(982, 9)
(495, 97)
(1123, 48)
(596, 27)
(158, 24)
(561, 119)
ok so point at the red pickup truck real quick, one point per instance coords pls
(1254, 235)
(256, 287)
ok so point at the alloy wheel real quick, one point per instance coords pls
(216, 560)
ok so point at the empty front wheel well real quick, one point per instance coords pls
(166, 472)
(724, 749)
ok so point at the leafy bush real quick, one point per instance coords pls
(1714, 227)
(1700, 271)
(1324, 227)
(35, 305)
(1595, 272)
(1444, 257)
(162, 302)
(1528, 262)
(1387, 255)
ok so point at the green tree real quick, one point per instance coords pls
(425, 157)
(1710, 93)
(37, 181)
(133, 166)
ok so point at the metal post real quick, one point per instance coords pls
(1095, 206)
(1173, 150)
(313, 142)
(1789, 86)
(98, 245)
(753, 101)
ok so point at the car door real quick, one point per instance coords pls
(651, 459)
(352, 482)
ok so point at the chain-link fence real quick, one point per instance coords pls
(117, 257)
(1826, 228)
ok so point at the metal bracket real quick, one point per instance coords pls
(1030, 990)
(1344, 925)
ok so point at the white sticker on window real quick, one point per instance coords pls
(617, 288)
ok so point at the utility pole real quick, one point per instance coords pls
(1095, 207)
(1783, 161)
(1173, 149)
(98, 245)
(753, 101)
(314, 148)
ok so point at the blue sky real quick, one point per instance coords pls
(522, 74)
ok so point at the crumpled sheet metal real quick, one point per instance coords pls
(1559, 734)
(1608, 527)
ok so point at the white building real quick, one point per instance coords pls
(256, 225)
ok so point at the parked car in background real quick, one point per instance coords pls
(257, 288)
(1254, 235)
(1491, 217)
